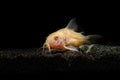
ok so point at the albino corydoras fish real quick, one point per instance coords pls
(66, 38)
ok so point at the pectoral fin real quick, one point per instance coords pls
(71, 48)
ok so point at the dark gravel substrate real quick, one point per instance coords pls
(33, 61)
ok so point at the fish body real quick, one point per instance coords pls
(66, 38)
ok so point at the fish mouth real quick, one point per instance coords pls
(60, 47)
(57, 44)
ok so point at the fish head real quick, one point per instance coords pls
(55, 41)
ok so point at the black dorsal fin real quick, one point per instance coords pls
(72, 24)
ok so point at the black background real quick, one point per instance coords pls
(26, 25)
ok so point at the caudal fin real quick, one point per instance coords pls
(93, 38)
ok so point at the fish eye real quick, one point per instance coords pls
(56, 38)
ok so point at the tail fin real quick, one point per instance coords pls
(93, 38)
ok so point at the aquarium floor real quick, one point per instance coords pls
(33, 61)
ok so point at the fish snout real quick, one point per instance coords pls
(57, 44)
